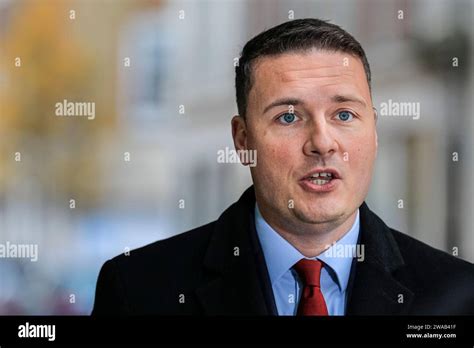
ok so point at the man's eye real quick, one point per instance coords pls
(287, 118)
(345, 116)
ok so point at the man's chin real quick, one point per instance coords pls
(319, 215)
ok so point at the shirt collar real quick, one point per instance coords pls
(280, 255)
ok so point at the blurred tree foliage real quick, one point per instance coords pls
(61, 58)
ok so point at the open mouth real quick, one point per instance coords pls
(320, 178)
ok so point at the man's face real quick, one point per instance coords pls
(309, 112)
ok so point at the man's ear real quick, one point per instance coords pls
(376, 117)
(239, 132)
(376, 143)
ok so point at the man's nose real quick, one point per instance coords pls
(320, 139)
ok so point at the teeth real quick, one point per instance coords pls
(324, 175)
(319, 182)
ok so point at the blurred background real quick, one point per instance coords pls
(161, 75)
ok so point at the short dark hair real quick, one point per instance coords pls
(298, 35)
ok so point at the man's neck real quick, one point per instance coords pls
(316, 237)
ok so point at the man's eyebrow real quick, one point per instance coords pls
(338, 98)
(283, 101)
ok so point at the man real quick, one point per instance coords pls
(301, 241)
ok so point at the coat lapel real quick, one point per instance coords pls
(375, 289)
(235, 285)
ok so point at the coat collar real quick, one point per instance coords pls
(239, 284)
(375, 289)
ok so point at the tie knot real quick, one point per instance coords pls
(309, 271)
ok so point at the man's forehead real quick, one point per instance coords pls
(289, 67)
(315, 69)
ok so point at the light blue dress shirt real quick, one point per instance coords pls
(280, 256)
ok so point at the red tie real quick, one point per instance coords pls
(312, 300)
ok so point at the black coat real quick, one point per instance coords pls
(219, 269)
